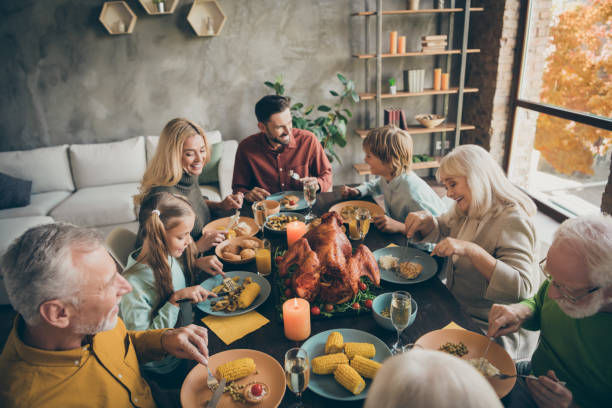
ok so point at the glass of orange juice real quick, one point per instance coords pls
(263, 258)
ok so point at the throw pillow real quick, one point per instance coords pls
(210, 172)
(15, 191)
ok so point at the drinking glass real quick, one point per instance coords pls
(362, 218)
(259, 213)
(297, 372)
(310, 196)
(401, 309)
(263, 258)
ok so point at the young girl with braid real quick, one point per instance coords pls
(161, 272)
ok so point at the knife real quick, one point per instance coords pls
(220, 295)
(214, 400)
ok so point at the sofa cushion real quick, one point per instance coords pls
(11, 228)
(97, 206)
(210, 172)
(210, 191)
(15, 191)
(213, 136)
(40, 204)
(104, 164)
(47, 167)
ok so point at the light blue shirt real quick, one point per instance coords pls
(138, 308)
(404, 194)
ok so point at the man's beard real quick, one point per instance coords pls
(105, 324)
(592, 306)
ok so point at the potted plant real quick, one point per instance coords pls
(330, 127)
(161, 5)
(392, 86)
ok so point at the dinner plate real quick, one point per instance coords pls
(299, 216)
(476, 344)
(232, 245)
(325, 385)
(406, 254)
(374, 208)
(301, 205)
(217, 280)
(195, 392)
(222, 223)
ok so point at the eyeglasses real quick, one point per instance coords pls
(565, 293)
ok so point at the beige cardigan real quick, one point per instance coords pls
(509, 236)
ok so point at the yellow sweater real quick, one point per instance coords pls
(103, 373)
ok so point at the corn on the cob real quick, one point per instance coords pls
(236, 369)
(334, 343)
(359, 349)
(364, 366)
(349, 378)
(327, 364)
(248, 295)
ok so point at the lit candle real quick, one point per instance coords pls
(437, 79)
(393, 42)
(296, 319)
(445, 81)
(401, 47)
(295, 230)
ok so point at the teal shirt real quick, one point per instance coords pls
(578, 350)
(137, 307)
(404, 194)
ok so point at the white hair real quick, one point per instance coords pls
(429, 379)
(38, 266)
(489, 186)
(590, 238)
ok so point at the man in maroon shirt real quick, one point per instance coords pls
(266, 160)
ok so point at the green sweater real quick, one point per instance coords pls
(142, 308)
(187, 186)
(578, 350)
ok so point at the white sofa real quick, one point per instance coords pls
(90, 184)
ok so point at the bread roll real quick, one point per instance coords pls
(247, 253)
(231, 256)
(249, 243)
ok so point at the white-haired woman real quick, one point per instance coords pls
(182, 152)
(488, 237)
(429, 379)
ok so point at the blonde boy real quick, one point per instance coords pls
(388, 151)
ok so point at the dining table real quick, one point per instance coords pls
(437, 307)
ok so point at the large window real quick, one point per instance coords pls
(562, 133)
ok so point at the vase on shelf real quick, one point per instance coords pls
(161, 6)
(413, 4)
(440, 4)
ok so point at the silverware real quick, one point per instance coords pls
(211, 381)
(482, 362)
(230, 285)
(533, 377)
(214, 400)
(234, 220)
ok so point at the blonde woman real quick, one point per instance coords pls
(430, 379)
(182, 153)
(488, 237)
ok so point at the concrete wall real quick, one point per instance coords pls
(64, 79)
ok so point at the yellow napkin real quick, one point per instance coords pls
(391, 245)
(453, 325)
(231, 328)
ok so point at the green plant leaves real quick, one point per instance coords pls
(323, 108)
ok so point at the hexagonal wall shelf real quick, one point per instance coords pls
(117, 17)
(206, 18)
(152, 8)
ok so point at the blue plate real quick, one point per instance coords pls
(301, 205)
(217, 280)
(406, 254)
(325, 385)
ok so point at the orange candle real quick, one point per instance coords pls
(445, 80)
(295, 230)
(437, 78)
(296, 319)
(401, 47)
(393, 42)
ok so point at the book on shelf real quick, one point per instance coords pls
(434, 37)
(433, 49)
(396, 117)
(434, 43)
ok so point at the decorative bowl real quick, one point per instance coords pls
(430, 120)
(383, 301)
(297, 216)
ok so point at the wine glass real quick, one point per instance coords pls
(362, 217)
(310, 196)
(401, 309)
(259, 213)
(297, 372)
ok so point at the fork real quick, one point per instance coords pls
(502, 376)
(230, 285)
(211, 381)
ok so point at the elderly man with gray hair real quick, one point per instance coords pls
(68, 347)
(573, 311)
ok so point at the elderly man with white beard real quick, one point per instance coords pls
(573, 311)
